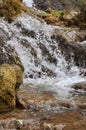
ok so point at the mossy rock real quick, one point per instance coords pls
(19, 76)
(10, 79)
(57, 13)
(51, 20)
(51, 16)
(10, 9)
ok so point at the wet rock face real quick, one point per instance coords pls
(80, 86)
(7, 53)
(10, 79)
(53, 4)
(75, 52)
(3, 36)
(10, 75)
(69, 42)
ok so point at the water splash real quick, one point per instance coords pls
(43, 62)
(28, 3)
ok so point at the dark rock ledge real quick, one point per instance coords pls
(11, 74)
(72, 44)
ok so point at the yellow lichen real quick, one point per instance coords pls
(10, 78)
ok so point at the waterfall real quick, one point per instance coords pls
(28, 2)
(42, 60)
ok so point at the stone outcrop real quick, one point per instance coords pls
(58, 4)
(10, 9)
(75, 18)
(72, 45)
(53, 4)
(74, 52)
(72, 35)
(81, 85)
(10, 79)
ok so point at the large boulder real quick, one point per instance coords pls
(10, 9)
(10, 79)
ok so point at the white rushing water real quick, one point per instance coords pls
(28, 3)
(44, 65)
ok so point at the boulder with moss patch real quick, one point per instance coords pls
(10, 9)
(10, 79)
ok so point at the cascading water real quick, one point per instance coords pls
(28, 2)
(43, 62)
(47, 94)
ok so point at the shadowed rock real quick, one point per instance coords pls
(71, 48)
(81, 85)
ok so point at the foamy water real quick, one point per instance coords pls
(36, 62)
(28, 3)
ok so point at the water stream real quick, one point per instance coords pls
(28, 2)
(48, 78)
(44, 65)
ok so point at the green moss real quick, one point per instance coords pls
(57, 13)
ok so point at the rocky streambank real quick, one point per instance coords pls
(31, 106)
(11, 74)
(41, 111)
(53, 4)
(72, 44)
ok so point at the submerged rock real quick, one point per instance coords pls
(10, 9)
(10, 79)
(68, 120)
(81, 85)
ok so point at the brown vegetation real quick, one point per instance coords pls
(10, 9)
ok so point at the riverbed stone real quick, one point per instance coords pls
(80, 85)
